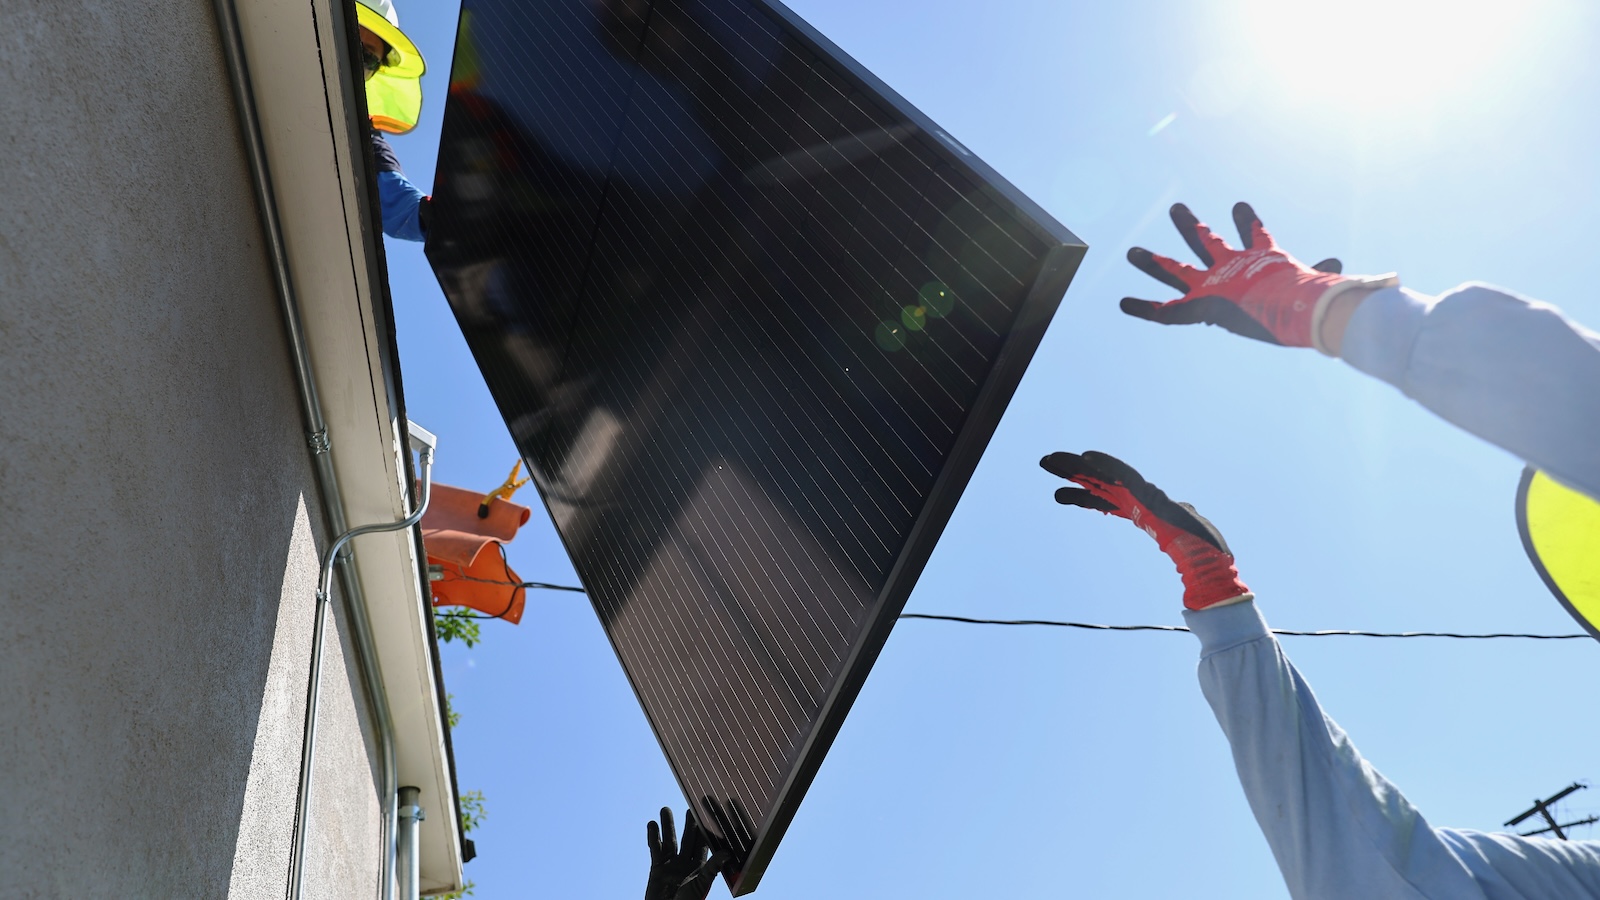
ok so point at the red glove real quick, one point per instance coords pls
(1113, 487)
(1260, 291)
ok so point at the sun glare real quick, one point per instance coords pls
(1382, 56)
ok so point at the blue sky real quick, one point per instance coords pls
(1446, 146)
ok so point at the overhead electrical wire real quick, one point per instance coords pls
(514, 585)
(541, 586)
(966, 620)
(1088, 626)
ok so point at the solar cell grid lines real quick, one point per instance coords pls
(751, 320)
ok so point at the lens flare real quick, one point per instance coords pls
(891, 336)
(937, 300)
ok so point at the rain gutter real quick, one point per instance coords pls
(316, 429)
(423, 442)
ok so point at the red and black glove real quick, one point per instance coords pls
(1259, 291)
(1114, 488)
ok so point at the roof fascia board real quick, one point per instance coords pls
(311, 119)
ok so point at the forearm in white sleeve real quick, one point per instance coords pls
(1512, 371)
(1338, 828)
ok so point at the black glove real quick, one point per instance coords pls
(678, 873)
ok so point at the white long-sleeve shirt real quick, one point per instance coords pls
(1512, 371)
(1516, 373)
(1340, 830)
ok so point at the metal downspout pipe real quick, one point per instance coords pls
(316, 429)
(407, 859)
(308, 747)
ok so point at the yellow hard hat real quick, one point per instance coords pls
(394, 94)
(1560, 529)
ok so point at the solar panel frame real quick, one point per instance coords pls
(1054, 272)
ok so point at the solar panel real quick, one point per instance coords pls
(751, 319)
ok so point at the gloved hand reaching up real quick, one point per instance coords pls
(1114, 488)
(679, 873)
(1259, 291)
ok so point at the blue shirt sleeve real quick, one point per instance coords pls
(1337, 827)
(1512, 371)
(401, 201)
(402, 207)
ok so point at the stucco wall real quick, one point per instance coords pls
(157, 509)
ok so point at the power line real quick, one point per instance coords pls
(436, 574)
(526, 585)
(1054, 623)
(541, 586)
(967, 620)
(1560, 830)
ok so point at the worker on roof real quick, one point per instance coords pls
(393, 69)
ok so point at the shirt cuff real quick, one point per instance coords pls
(1225, 627)
(1382, 331)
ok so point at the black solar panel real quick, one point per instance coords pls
(751, 319)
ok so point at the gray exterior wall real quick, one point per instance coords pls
(158, 517)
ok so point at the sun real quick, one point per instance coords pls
(1377, 57)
